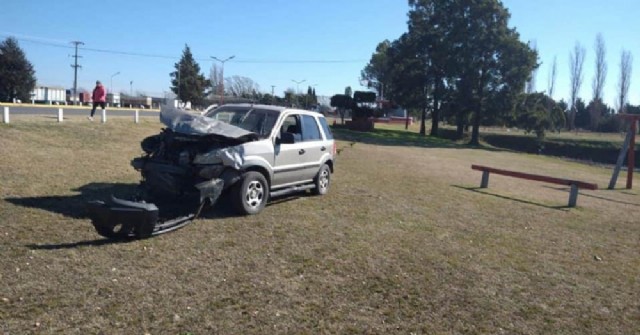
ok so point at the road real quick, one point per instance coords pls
(73, 111)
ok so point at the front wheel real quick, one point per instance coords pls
(251, 194)
(322, 180)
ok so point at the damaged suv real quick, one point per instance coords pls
(247, 152)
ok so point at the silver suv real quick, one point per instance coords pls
(249, 152)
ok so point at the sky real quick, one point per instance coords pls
(133, 45)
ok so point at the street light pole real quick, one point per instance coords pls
(222, 61)
(111, 81)
(298, 89)
(131, 88)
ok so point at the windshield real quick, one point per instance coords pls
(259, 121)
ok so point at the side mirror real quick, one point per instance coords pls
(286, 138)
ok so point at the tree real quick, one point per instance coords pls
(576, 62)
(289, 96)
(17, 76)
(341, 102)
(582, 118)
(348, 91)
(408, 81)
(599, 78)
(377, 72)
(531, 83)
(624, 81)
(215, 80)
(240, 86)
(187, 81)
(538, 113)
(493, 63)
(553, 74)
(364, 97)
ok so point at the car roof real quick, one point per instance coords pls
(278, 109)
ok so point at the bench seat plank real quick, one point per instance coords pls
(536, 177)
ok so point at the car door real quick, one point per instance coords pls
(287, 161)
(297, 162)
(314, 146)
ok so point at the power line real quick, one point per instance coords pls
(237, 60)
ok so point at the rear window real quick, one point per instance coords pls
(325, 127)
(310, 131)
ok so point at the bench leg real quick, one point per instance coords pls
(485, 179)
(573, 196)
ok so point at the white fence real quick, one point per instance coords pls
(60, 115)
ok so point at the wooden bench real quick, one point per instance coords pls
(575, 184)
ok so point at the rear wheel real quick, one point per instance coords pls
(251, 194)
(322, 180)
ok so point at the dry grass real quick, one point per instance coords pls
(404, 243)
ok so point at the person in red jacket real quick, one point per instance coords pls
(99, 97)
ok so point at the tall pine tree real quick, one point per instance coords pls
(186, 81)
(17, 76)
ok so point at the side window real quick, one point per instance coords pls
(290, 125)
(310, 131)
(325, 127)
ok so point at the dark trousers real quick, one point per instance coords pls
(95, 104)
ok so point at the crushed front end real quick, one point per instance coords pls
(187, 165)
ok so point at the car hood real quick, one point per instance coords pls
(186, 123)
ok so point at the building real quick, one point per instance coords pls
(48, 94)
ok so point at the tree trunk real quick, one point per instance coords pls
(459, 125)
(423, 130)
(406, 120)
(435, 115)
(475, 132)
(572, 117)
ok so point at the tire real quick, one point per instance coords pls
(251, 193)
(322, 180)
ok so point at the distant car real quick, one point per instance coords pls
(250, 151)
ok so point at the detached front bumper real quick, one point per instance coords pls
(119, 219)
(124, 219)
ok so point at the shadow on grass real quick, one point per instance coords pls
(400, 137)
(73, 245)
(598, 197)
(75, 206)
(478, 190)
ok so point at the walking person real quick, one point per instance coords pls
(99, 97)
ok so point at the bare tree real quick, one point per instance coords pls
(531, 83)
(626, 63)
(241, 86)
(599, 79)
(576, 63)
(600, 75)
(553, 74)
(215, 78)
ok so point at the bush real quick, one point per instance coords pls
(610, 124)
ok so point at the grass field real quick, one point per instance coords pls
(404, 243)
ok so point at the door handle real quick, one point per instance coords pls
(323, 148)
(301, 151)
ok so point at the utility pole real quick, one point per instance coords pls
(222, 61)
(273, 97)
(75, 67)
